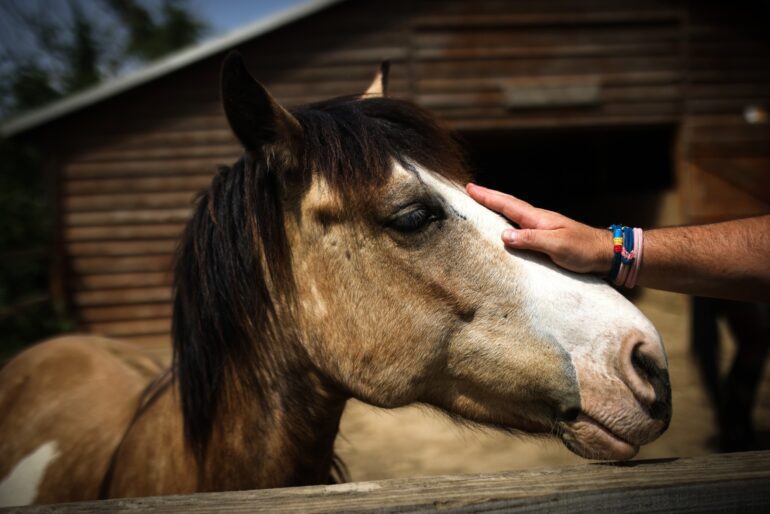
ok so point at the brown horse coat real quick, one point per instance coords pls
(339, 258)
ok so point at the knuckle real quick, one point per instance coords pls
(527, 237)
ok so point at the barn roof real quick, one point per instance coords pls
(164, 66)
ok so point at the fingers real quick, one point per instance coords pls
(531, 239)
(509, 206)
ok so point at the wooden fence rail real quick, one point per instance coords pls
(728, 482)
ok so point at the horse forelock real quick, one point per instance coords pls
(352, 142)
(233, 269)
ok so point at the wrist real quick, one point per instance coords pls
(603, 251)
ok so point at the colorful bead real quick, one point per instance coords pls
(624, 254)
(617, 241)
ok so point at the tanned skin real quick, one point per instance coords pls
(723, 260)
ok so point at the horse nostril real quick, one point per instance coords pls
(643, 367)
(661, 410)
(650, 382)
(642, 364)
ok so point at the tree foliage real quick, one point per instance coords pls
(81, 54)
(49, 50)
(27, 312)
(58, 48)
(150, 37)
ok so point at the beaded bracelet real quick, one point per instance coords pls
(627, 256)
(638, 245)
(627, 248)
(617, 248)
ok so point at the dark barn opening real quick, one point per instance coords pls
(596, 175)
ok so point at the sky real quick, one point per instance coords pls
(17, 45)
(225, 15)
(220, 16)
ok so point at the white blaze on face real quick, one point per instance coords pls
(21, 486)
(581, 313)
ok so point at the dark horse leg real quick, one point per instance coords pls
(750, 325)
(704, 343)
(734, 396)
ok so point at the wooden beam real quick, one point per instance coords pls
(125, 312)
(710, 198)
(726, 482)
(113, 280)
(144, 168)
(130, 328)
(120, 264)
(127, 217)
(122, 232)
(137, 184)
(546, 19)
(583, 93)
(123, 296)
(132, 247)
(750, 175)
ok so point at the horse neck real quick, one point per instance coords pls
(285, 440)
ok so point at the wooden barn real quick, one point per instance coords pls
(568, 103)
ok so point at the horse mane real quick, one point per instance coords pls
(233, 265)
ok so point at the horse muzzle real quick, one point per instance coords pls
(623, 410)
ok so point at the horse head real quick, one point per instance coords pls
(343, 246)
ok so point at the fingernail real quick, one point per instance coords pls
(509, 235)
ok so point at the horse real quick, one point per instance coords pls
(338, 258)
(733, 395)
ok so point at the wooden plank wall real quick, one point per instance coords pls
(131, 166)
(465, 53)
(134, 167)
(725, 168)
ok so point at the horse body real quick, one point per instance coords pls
(93, 445)
(75, 396)
(339, 258)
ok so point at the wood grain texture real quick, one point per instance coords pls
(128, 217)
(120, 264)
(106, 202)
(726, 482)
(147, 184)
(131, 166)
(123, 296)
(726, 168)
(112, 280)
(135, 327)
(124, 232)
(126, 312)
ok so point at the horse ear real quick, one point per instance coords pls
(257, 120)
(379, 86)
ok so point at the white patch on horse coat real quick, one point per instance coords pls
(21, 485)
(581, 313)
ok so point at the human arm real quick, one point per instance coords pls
(726, 260)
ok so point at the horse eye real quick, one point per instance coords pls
(413, 218)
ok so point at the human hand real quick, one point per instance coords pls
(571, 245)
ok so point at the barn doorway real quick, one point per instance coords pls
(598, 175)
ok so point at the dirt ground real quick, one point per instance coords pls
(415, 441)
